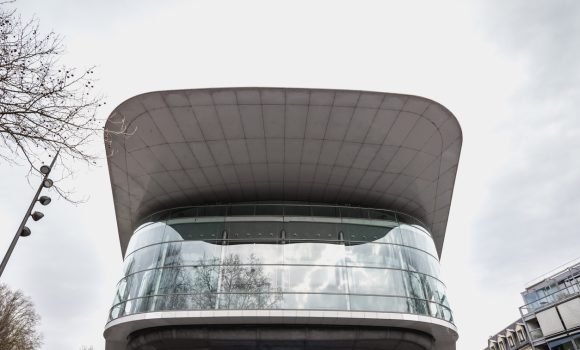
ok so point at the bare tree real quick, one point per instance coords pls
(18, 321)
(45, 106)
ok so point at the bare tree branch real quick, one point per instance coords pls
(18, 321)
(45, 106)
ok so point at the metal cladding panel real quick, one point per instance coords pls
(550, 321)
(192, 147)
(570, 312)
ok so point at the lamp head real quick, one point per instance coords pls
(47, 183)
(37, 215)
(44, 200)
(25, 232)
(45, 169)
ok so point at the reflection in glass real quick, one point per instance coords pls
(358, 260)
(150, 234)
(259, 288)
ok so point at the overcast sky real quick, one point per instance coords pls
(509, 71)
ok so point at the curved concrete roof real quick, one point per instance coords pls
(225, 145)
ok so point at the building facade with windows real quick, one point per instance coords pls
(268, 218)
(512, 337)
(550, 319)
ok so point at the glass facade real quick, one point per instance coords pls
(274, 256)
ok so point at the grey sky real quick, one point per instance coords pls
(509, 71)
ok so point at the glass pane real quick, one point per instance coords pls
(120, 293)
(143, 304)
(195, 231)
(141, 284)
(254, 231)
(297, 210)
(201, 280)
(311, 231)
(128, 264)
(415, 285)
(419, 261)
(394, 236)
(253, 254)
(269, 209)
(214, 210)
(376, 303)
(250, 301)
(240, 254)
(145, 258)
(116, 311)
(417, 238)
(447, 315)
(269, 253)
(314, 254)
(183, 213)
(364, 233)
(374, 254)
(261, 286)
(145, 236)
(316, 279)
(409, 220)
(353, 213)
(241, 210)
(315, 301)
(381, 215)
(376, 281)
(200, 253)
(331, 212)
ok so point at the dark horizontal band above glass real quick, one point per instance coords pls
(294, 230)
(282, 209)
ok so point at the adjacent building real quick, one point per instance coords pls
(550, 319)
(268, 218)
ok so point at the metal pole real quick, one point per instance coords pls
(17, 235)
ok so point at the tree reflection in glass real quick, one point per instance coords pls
(246, 286)
(239, 286)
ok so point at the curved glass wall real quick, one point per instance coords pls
(279, 257)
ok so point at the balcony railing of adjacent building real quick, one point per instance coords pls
(552, 298)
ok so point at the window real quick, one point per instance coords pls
(521, 335)
(511, 341)
(501, 345)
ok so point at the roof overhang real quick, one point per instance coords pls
(189, 147)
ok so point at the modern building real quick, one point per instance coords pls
(550, 319)
(512, 337)
(268, 218)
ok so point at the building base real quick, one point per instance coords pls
(278, 337)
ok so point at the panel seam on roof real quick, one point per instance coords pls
(362, 143)
(334, 166)
(382, 145)
(322, 143)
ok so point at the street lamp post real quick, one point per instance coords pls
(44, 200)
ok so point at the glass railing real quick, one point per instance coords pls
(552, 298)
(280, 301)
